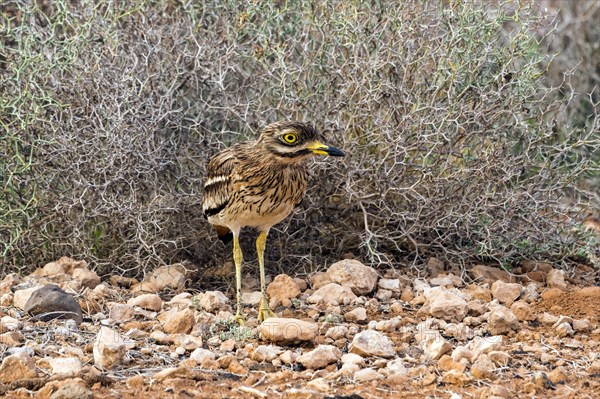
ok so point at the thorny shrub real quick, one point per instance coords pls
(457, 146)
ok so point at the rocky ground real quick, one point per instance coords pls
(350, 332)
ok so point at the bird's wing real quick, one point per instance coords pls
(219, 182)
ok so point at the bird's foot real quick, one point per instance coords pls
(264, 312)
(239, 319)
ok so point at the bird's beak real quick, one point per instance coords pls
(319, 148)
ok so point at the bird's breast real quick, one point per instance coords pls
(266, 197)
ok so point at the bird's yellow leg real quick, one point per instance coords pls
(238, 259)
(264, 312)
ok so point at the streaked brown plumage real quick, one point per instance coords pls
(258, 184)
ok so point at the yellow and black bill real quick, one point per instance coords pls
(323, 149)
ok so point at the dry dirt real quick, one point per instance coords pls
(539, 360)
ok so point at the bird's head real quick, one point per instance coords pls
(295, 141)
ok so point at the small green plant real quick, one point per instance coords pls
(196, 302)
(331, 319)
(296, 303)
(232, 330)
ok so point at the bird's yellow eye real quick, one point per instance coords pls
(290, 138)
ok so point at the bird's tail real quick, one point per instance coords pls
(224, 234)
